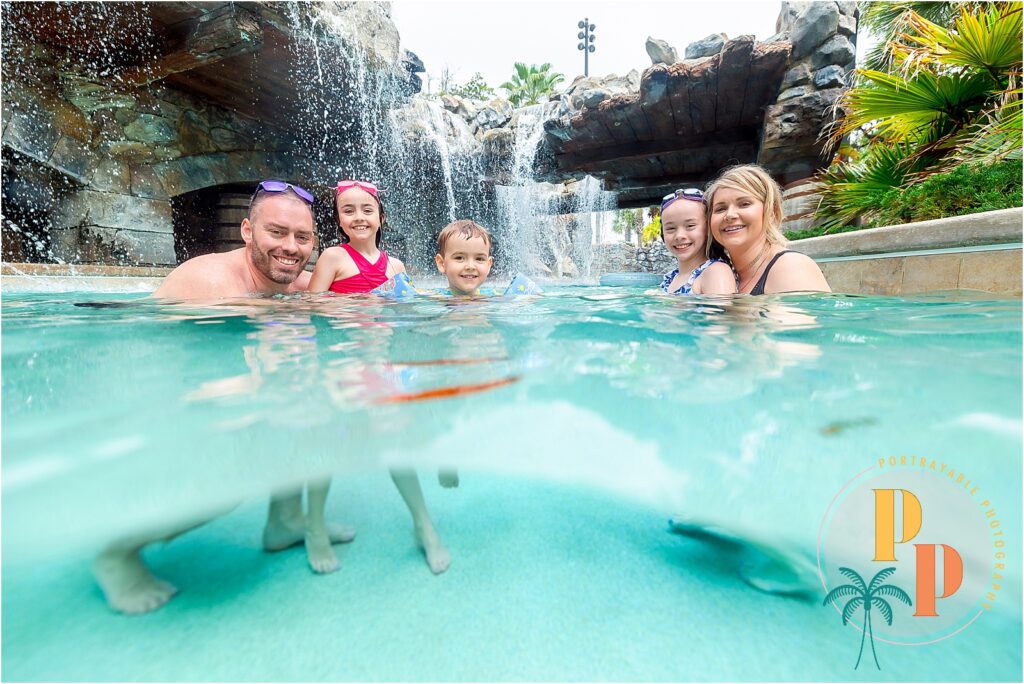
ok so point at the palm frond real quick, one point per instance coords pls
(988, 41)
(839, 592)
(851, 190)
(894, 592)
(887, 20)
(909, 109)
(851, 607)
(880, 577)
(857, 580)
(997, 136)
(884, 608)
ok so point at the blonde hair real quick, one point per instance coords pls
(464, 228)
(755, 180)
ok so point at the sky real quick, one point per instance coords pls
(490, 36)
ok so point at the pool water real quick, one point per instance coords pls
(581, 423)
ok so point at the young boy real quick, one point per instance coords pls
(464, 257)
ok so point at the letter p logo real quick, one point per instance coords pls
(885, 522)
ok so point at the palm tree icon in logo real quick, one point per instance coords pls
(867, 596)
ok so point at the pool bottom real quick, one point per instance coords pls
(547, 583)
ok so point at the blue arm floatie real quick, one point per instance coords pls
(521, 285)
(399, 287)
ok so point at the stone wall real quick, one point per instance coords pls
(655, 258)
(613, 257)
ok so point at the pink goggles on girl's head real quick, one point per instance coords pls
(348, 184)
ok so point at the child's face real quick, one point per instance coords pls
(684, 228)
(358, 214)
(466, 263)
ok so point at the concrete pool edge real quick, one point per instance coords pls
(972, 252)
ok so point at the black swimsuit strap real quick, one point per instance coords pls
(759, 288)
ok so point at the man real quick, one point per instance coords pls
(279, 236)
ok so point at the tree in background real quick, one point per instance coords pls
(531, 85)
(629, 222)
(652, 231)
(475, 88)
(625, 220)
(942, 95)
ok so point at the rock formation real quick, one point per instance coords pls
(730, 101)
(111, 112)
(660, 51)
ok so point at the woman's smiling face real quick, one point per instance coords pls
(737, 218)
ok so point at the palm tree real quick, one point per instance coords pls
(531, 83)
(867, 596)
(951, 95)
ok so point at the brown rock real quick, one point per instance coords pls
(733, 73)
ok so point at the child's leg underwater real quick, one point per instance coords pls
(286, 524)
(408, 485)
(318, 542)
(127, 583)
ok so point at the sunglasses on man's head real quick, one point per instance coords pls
(687, 193)
(275, 186)
(348, 184)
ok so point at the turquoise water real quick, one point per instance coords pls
(581, 423)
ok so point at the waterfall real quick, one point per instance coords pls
(550, 226)
(591, 201)
(437, 176)
(362, 123)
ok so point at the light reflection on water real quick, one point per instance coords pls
(746, 413)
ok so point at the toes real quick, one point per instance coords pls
(324, 566)
(439, 562)
(145, 600)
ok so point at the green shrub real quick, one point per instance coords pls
(967, 189)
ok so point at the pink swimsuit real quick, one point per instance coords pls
(369, 276)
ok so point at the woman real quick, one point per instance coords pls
(745, 214)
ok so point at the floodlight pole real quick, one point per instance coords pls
(586, 44)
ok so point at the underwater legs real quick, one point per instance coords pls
(286, 524)
(318, 543)
(408, 485)
(127, 583)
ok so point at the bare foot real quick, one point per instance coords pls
(448, 477)
(437, 555)
(128, 584)
(279, 535)
(320, 553)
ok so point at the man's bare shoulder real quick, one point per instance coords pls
(210, 276)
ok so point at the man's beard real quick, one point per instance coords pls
(264, 264)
